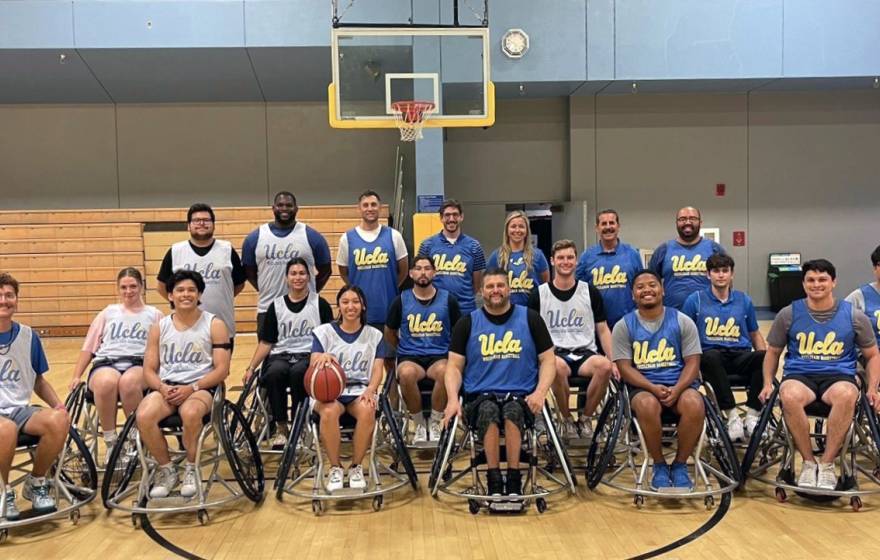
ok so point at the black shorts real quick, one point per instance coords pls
(423, 362)
(819, 383)
(574, 364)
(483, 410)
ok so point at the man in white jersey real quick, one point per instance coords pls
(187, 357)
(267, 250)
(215, 259)
(575, 316)
(22, 365)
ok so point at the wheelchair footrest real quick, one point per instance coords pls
(507, 506)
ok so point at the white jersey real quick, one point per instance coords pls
(272, 254)
(216, 270)
(356, 358)
(125, 333)
(185, 356)
(17, 375)
(295, 329)
(571, 322)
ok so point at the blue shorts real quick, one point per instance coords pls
(21, 414)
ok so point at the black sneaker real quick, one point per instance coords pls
(495, 482)
(514, 482)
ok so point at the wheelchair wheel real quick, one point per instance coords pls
(757, 437)
(249, 404)
(601, 451)
(241, 451)
(77, 470)
(400, 450)
(873, 428)
(289, 455)
(74, 403)
(445, 436)
(719, 441)
(122, 465)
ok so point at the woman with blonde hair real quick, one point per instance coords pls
(526, 266)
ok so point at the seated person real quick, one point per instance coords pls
(360, 350)
(821, 335)
(285, 344)
(866, 298)
(420, 324)
(575, 317)
(728, 328)
(502, 357)
(116, 341)
(187, 357)
(657, 350)
(22, 365)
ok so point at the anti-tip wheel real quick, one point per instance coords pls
(136, 520)
(781, 496)
(203, 517)
(856, 503)
(4, 534)
(709, 501)
(74, 516)
(317, 507)
(639, 501)
(377, 503)
(541, 505)
(473, 507)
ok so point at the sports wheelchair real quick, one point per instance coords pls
(225, 433)
(618, 458)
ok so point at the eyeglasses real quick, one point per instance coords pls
(688, 219)
(201, 221)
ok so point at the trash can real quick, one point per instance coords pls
(784, 279)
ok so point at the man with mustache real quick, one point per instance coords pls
(267, 250)
(681, 262)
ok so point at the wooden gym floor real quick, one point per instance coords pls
(600, 524)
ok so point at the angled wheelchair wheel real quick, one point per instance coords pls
(601, 451)
(122, 466)
(289, 455)
(241, 451)
(249, 404)
(873, 428)
(400, 451)
(719, 441)
(74, 403)
(77, 470)
(758, 436)
(445, 436)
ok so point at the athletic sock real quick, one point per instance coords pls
(437, 415)
(110, 437)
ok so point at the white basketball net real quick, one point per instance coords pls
(410, 118)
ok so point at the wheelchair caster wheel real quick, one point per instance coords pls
(74, 516)
(136, 520)
(781, 496)
(4, 534)
(541, 505)
(856, 503)
(877, 472)
(377, 503)
(317, 507)
(394, 467)
(203, 517)
(447, 475)
(473, 507)
(709, 501)
(639, 501)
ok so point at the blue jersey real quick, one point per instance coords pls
(425, 330)
(501, 358)
(683, 268)
(611, 272)
(722, 324)
(522, 279)
(872, 307)
(373, 268)
(820, 348)
(657, 355)
(455, 264)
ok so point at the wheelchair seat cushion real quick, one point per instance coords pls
(346, 421)
(27, 440)
(818, 408)
(174, 422)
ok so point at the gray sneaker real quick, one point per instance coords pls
(166, 480)
(12, 512)
(41, 499)
(189, 487)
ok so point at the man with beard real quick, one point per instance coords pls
(458, 258)
(657, 350)
(420, 324)
(609, 266)
(681, 262)
(267, 250)
(503, 355)
(215, 259)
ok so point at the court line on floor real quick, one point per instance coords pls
(165, 543)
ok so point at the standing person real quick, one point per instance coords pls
(458, 258)
(822, 337)
(116, 341)
(420, 324)
(609, 267)
(526, 266)
(268, 248)
(575, 316)
(22, 368)
(681, 262)
(286, 344)
(214, 259)
(373, 257)
(733, 347)
(866, 298)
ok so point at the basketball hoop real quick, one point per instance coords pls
(410, 117)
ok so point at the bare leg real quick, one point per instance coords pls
(561, 389)
(599, 369)
(104, 383)
(8, 439)
(193, 409)
(51, 426)
(408, 375)
(131, 389)
(330, 436)
(152, 410)
(437, 371)
(692, 415)
(513, 443)
(647, 409)
(363, 430)
(795, 396)
(842, 398)
(492, 446)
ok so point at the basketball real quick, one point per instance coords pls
(325, 383)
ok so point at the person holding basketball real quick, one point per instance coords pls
(360, 351)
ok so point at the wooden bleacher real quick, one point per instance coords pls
(67, 260)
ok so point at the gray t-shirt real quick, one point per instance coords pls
(690, 337)
(778, 335)
(857, 298)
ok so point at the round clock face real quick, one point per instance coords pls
(515, 43)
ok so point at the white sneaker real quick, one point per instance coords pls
(189, 486)
(279, 440)
(585, 427)
(421, 434)
(752, 419)
(808, 475)
(335, 479)
(569, 430)
(735, 428)
(827, 479)
(12, 512)
(356, 477)
(435, 428)
(166, 480)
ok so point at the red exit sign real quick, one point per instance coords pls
(739, 239)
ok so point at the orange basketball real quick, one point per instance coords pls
(326, 383)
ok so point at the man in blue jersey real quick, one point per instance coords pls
(733, 347)
(822, 337)
(866, 298)
(657, 350)
(267, 250)
(681, 262)
(420, 324)
(458, 258)
(609, 267)
(503, 356)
